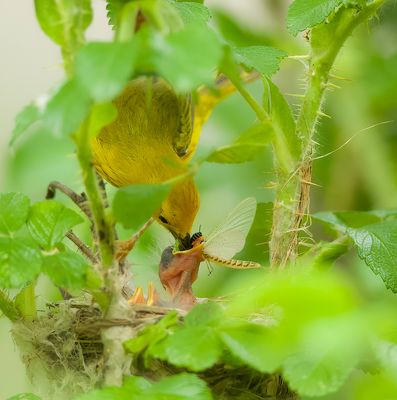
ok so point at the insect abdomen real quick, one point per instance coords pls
(238, 264)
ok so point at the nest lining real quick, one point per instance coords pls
(63, 353)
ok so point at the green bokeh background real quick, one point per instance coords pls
(360, 175)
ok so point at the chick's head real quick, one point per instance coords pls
(179, 210)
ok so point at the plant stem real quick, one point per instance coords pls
(293, 192)
(102, 224)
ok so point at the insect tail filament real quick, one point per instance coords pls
(231, 263)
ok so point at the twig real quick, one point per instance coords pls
(82, 247)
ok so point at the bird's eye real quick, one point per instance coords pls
(163, 220)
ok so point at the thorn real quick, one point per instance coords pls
(294, 95)
(322, 114)
(299, 57)
(310, 183)
(332, 85)
(341, 78)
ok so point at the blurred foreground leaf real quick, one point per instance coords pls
(143, 198)
(67, 109)
(104, 68)
(245, 148)
(25, 396)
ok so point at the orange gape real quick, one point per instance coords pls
(178, 272)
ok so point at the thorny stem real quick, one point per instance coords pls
(293, 193)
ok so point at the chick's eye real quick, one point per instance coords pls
(163, 220)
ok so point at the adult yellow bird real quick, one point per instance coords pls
(152, 140)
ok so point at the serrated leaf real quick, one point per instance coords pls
(304, 14)
(206, 314)
(376, 245)
(14, 210)
(342, 220)
(49, 221)
(66, 269)
(64, 21)
(247, 147)
(101, 115)
(263, 59)
(193, 347)
(20, 262)
(253, 345)
(103, 68)
(67, 109)
(114, 8)
(184, 68)
(145, 198)
(191, 12)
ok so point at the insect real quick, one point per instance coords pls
(228, 238)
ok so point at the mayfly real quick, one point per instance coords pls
(228, 238)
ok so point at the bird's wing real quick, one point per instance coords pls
(229, 237)
(183, 137)
(207, 100)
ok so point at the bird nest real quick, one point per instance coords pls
(63, 353)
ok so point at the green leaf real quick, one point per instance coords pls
(342, 220)
(206, 314)
(64, 21)
(192, 12)
(323, 362)
(20, 262)
(114, 7)
(380, 386)
(49, 221)
(194, 347)
(14, 210)
(104, 68)
(66, 269)
(67, 109)
(376, 245)
(151, 334)
(24, 396)
(255, 248)
(25, 120)
(189, 58)
(178, 387)
(108, 393)
(101, 115)
(286, 142)
(253, 344)
(145, 198)
(304, 14)
(247, 147)
(263, 59)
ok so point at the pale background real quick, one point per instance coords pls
(30, 64)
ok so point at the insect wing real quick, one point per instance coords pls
(229, 237)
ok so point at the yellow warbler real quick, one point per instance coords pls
(152, 140)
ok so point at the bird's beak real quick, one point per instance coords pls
(183, 242)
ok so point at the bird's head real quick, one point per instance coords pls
(178, 212)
